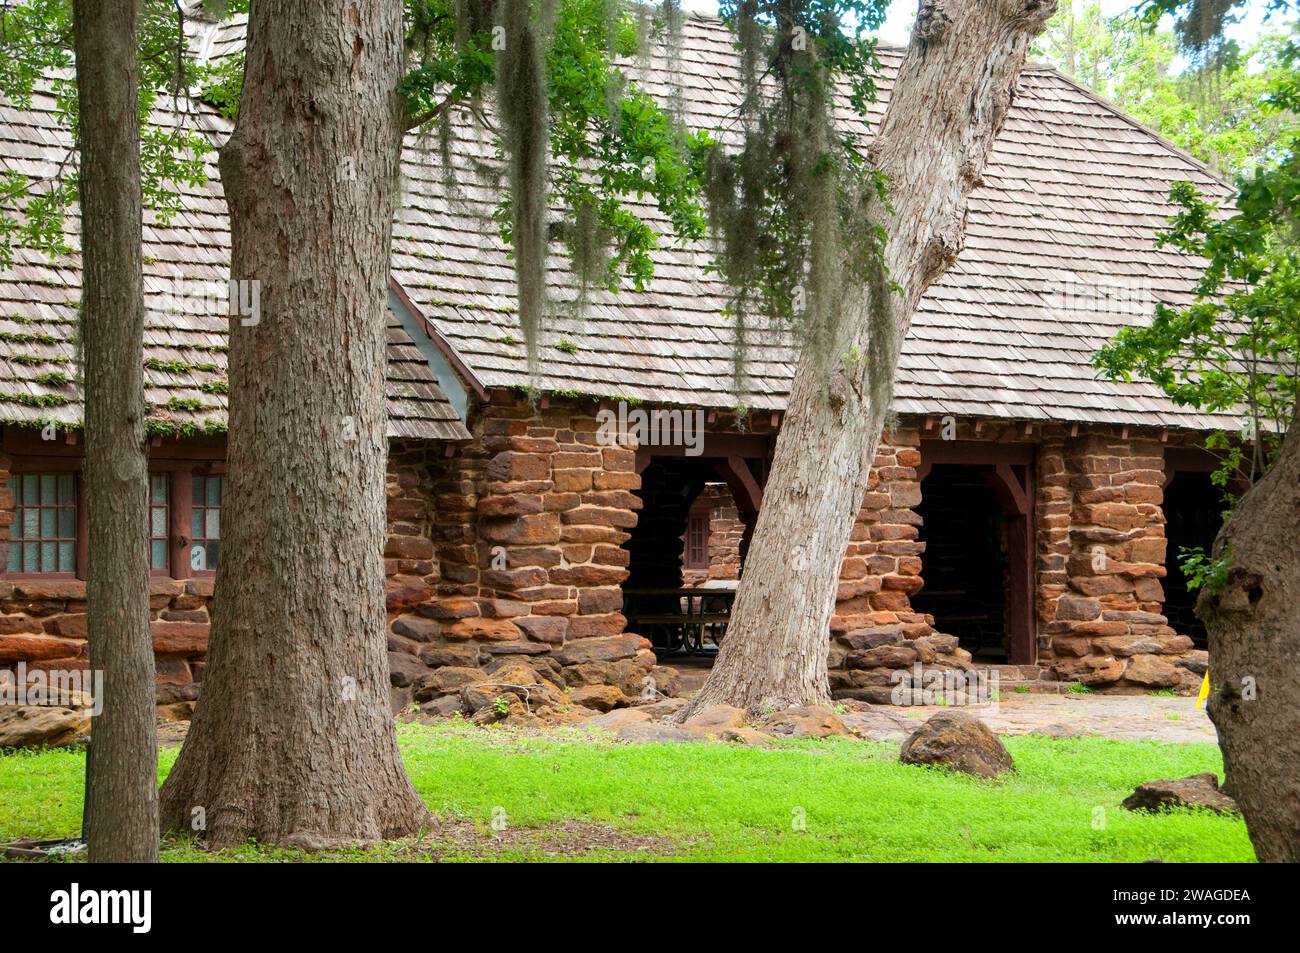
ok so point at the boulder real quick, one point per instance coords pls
(600, 697)
(40, 726)
(655, 733)
(617, 720)
(1199, 790)
(1151, 670)
(960, 741)
(715, 719)
(805, 721)
(403, 669)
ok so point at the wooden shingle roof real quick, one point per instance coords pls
(1060, 252)
(186, 267)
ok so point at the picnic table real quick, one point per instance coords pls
(687, 620)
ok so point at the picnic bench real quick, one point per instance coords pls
(682, 621)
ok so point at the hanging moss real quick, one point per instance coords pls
(521, 105)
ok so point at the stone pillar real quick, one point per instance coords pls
(1106, 626)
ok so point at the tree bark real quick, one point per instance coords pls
(292, 741)
(950, 99)
(121, 804)
(1254, 629)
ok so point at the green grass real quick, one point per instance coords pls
(716, 802)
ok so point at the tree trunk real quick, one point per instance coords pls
(949, 101)
(1254, 627)
(121, 821)
(293, 741)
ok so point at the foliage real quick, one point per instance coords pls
(787, 207)
(1211, 110)
(715, 802)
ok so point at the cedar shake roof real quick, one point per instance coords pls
(1071, 204)
(186, 266)
(1072, 201)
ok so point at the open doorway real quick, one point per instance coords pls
(1193, 509)
(686, 553)
(965, 563)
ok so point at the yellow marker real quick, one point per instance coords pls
(1205, 691)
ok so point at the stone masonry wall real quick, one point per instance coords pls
(1100, 601)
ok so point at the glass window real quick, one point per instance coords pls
(159, 516)
(205, 522)
(43, 537)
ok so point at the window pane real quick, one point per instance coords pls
(15, 558)
(197, 490)
(158, 522)
(31, 489)
(49, 557)
(158, 488)
(31, 553)
(67, 523)
(49, 520)
(213, 527)
(214, 554)
(67, 494)
(196, 523)
(16, 531)
(31, 523)
(158, 554)
(198, 557)
(49, 493)
(214, 490)
(67, 557)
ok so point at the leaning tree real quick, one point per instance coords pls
(866, 235)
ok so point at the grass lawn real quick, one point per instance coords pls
(564, 796)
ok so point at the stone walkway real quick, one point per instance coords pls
(1127, 717)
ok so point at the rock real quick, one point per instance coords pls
(170, 694)
(444, 681)
(715, 719)
(884, 656)
(600, 649)
(654, 733)
(40, 726)
(1199, 790)
(959, 741)
(664, 707)
(617, 720)
(877, 724)
(462, 656)
(1197, 661)
(443, 707)
(512, 714)
(749, 737)
(403, 669)
(179, 711)
(805, 721)
(600, 697)
(555, 715)
(1076, 608)
(873, 638)
(1100, 670)
(1151, 670)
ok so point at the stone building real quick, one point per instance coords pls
(1022, 512)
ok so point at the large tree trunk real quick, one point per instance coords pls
(1254, 627)
(293, 740)
(121, 821)
(951, 97)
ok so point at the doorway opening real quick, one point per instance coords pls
(966, 566)
(1193, 516)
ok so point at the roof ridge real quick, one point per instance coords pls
(1137, 124)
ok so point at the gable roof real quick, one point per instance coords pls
(1060, 253)
(186, 266)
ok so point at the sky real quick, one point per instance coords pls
(902, 12)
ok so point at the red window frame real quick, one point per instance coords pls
(180, 475)
(697, 540)
(55, 468)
